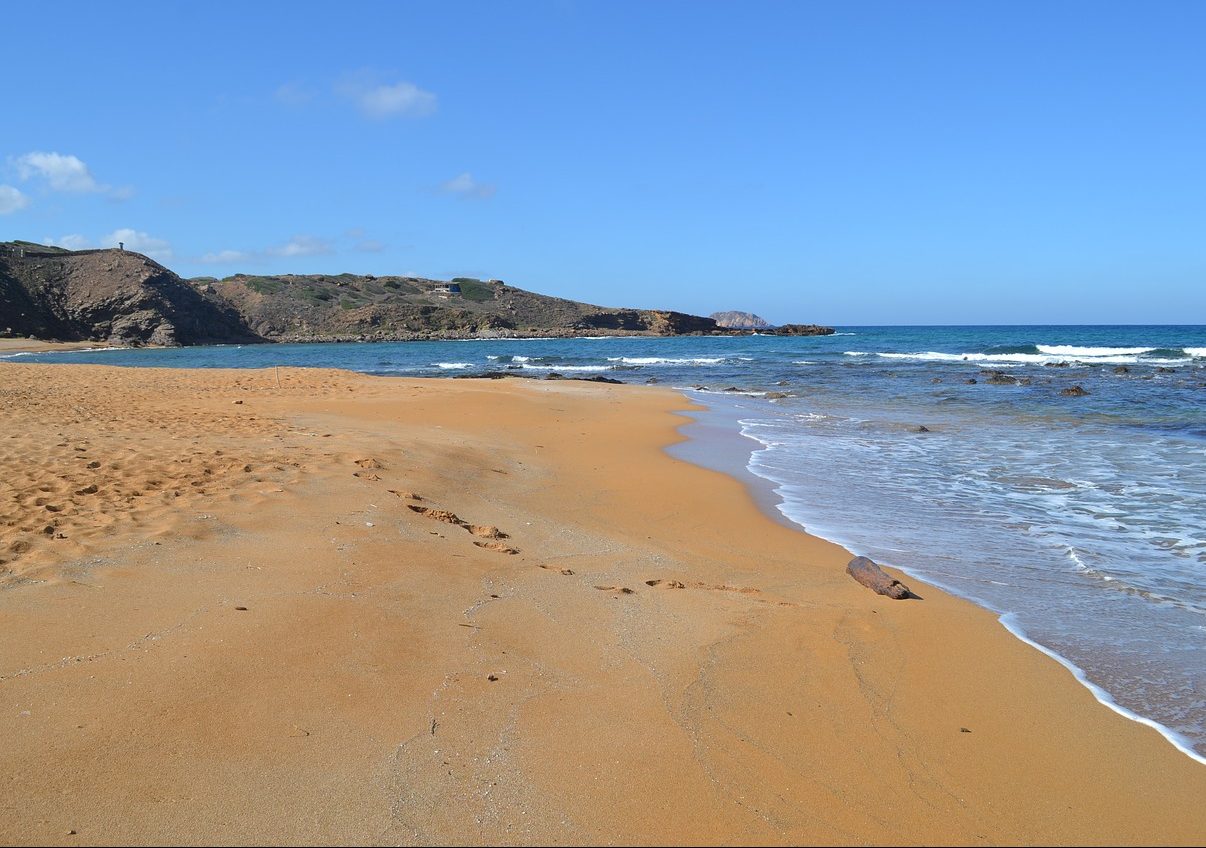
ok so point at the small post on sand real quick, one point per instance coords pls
(277, 370)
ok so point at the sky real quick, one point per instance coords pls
(843, 163)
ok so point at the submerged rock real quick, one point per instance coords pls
(1075, 391)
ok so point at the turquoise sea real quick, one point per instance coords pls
(1081, 520)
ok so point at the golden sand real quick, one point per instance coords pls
(312, 606)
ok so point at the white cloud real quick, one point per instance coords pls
(389, 100)
(67, 173)
(225, 257)
(11, 200)
(139, 242)
(74, 241)
(301, 246)
(463, 185)
(62, 173)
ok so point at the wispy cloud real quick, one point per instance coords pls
(463, 185)
(11, 200)
(381, 100)
(370, 246)
(226, 257)
(294, 94)
(65, 173)
(135, 240)
(302, 246)
(296, 246)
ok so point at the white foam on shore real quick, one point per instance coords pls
(1009, 622)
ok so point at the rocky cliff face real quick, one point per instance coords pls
(113, 296)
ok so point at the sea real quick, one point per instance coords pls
(963, 456)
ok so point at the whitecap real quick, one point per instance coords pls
(667, 360)
(1072, 350)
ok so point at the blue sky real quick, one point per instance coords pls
(846, 163)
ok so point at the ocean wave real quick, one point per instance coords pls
(453, 366)
(1090, 352)
(667, 360)
(1146, 357)
(528, 367)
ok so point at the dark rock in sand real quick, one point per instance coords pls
(597, 378)
(865, 571)
(1075, 391)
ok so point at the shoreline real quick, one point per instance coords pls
(764, 491)
(767, 698)
(10, 347)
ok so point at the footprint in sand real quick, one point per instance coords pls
(624, 590)
(481, 530)
(497, 546)
(568, 572)
(667, 584)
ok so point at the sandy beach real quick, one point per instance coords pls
(305, 606)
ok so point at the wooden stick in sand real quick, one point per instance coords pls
(865, 571)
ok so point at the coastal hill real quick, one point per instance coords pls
(123, 297)
(114, 296)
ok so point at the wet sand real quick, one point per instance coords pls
(310, 606)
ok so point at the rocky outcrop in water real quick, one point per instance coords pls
(734, 320)
(800, 330)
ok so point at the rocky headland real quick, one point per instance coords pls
(122, 297)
